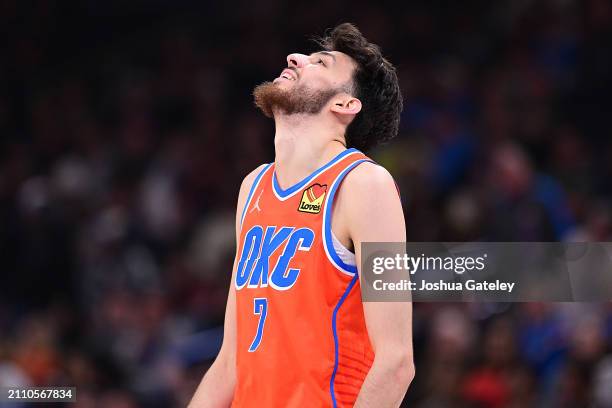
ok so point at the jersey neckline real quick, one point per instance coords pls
(290, 191)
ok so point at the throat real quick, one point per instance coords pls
(299, 164)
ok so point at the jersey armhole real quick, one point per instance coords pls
(328, 243)
(252, 190)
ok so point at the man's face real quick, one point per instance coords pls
(307, 84)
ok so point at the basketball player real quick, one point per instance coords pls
(296, 331)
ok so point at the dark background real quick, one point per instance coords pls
(126, 128)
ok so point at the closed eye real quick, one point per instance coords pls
(321, 62)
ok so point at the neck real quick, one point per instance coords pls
(302, 144)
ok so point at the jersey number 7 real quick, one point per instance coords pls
(261, 309)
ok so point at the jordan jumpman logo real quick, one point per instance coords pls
(256, 206)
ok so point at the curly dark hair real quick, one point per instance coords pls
(375, 84)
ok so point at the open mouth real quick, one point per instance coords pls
(288, 75)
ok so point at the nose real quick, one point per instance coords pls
(297, 60)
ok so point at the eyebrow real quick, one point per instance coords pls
(327, 53)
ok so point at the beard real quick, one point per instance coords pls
(301, 99)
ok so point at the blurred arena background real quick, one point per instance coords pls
(126, 128)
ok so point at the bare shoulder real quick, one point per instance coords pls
(245, 188)
(247, 182)
(370, 180)
(370, 206)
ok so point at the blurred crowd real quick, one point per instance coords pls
(126, 128)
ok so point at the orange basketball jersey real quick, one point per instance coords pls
(301, 334)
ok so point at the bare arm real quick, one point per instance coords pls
(380, 218)
(217, 387)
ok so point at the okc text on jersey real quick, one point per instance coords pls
(254, 265)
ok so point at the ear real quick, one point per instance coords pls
(345, 104)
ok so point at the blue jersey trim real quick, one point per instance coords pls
(328, 242)
(253, 188)
(296, 187)
(335, 332)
